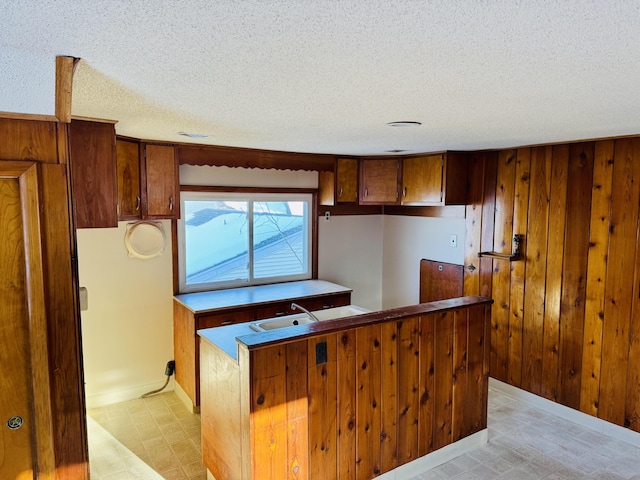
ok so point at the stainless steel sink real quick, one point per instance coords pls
(303, 318)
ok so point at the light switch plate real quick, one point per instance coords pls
(327, 216)
(453, 241)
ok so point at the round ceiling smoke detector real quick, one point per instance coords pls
(404, 123)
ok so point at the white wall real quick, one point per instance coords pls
(350, 254)
(127, 332)
(406, 241)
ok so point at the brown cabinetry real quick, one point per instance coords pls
(379, 181)
(160, 180)
(341, 186)
(435, 180)
(129, 191)
(148, 185)
(92, 157)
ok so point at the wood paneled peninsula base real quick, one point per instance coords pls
(355, 397)
(195, 311)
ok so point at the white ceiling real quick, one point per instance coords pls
(326, 76)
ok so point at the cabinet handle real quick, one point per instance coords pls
(137, 204)
(226, 322)
(404, 192)
(340, 192)
(366, 192)
(280, 314)
(324, 307)
(171, 203)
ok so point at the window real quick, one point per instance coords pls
(239, 239)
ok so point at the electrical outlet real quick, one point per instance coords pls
(453, 241)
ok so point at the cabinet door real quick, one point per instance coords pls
(129, 194)
(347, 180)
(92, 156)
(378, 182)
(161, 185)
(422, 180)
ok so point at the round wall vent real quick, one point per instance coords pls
(144, 239)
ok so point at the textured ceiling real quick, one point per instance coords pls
(326, 76)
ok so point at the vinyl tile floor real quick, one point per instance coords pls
(156, 438)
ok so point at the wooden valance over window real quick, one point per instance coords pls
(252, 158)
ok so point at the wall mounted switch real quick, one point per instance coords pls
(453, 241)
(327, 216)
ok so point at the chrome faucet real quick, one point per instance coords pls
(295, 306)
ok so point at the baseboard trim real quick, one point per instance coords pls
(185, 399)
(131, 393)
(601, 426)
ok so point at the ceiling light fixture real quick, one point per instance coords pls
(193, 135)
(396, 150)
(404, 123)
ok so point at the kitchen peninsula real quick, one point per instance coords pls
(354, 397)
(195, 311)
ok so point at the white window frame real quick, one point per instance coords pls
(249, 197)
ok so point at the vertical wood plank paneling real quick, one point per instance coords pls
(632, 407)
(443, 379)
(516, 302)
(368, 414)
(536, 269)
(574, 273)
(475, 371)
(503, 233)
(555, 249)
(389, 399)
(473, 223)
(427, 384)
(596, 274)
(323, 406)
(297, 411)
(408, 395)
(488, 222)
(347, 405)
(269, 413)
(619, 280)
(459, 420)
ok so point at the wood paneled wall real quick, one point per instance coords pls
(566, 319)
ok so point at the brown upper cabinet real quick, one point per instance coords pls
(129, 189)
(427, 180)
(379, 181)
(92, 158)
(160, 195)
(148, 185)
(347, 180)
(437, 180)
(341, 186)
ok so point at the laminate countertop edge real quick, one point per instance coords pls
(230, 338)
(257, 295)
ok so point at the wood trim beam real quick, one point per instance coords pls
(65, 66)
(212, 155)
